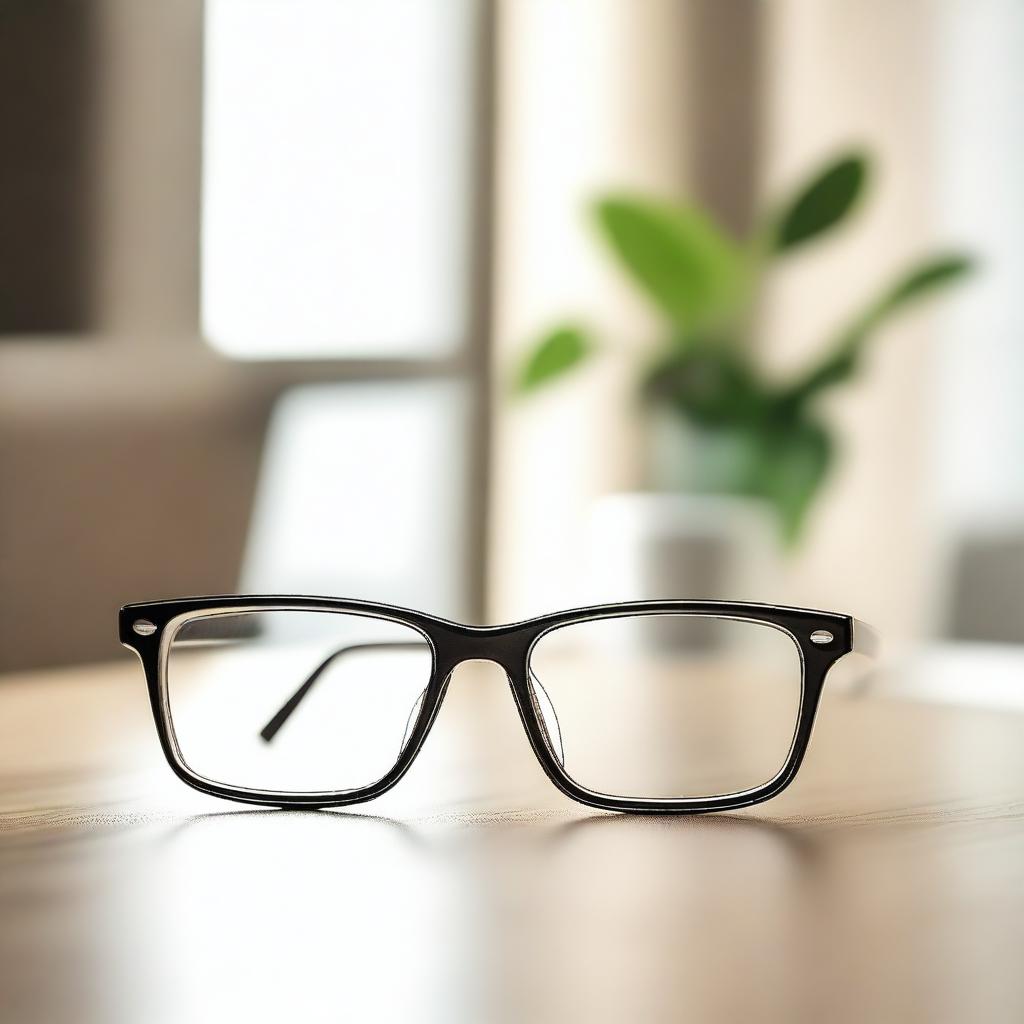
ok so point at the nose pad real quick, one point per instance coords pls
(414, 715)
(545, 712)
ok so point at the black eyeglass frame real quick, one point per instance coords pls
(148, 629)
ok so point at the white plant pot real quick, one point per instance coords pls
(651, 546)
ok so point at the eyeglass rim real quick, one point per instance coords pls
(509, 646)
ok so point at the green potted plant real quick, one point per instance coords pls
(750, 436)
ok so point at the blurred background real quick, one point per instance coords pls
(269, 273)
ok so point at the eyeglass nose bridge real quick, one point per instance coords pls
(494, 645)
(508, 651)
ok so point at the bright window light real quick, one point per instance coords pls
(336, 175)
(362, 494)
(979, 417)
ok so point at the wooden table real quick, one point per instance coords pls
(886, 885)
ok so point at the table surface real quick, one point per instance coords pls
(887, 884)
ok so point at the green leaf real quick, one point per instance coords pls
(844, 357)
(709, 382)
(930, 276)
(822, 202)
(782, 462)
(677, 255)
(553, 356)
(794, 464)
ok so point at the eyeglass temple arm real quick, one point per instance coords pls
(866, 644)
(270, 730)
(866, 640)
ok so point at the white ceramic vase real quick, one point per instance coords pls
(673, 545)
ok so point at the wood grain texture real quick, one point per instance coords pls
(886, 885)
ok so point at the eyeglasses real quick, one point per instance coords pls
(651, 706)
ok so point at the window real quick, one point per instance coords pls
(336, 172)
(979, 414)
(342, 175)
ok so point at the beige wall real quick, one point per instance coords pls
(588, 98)
(861, 71)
